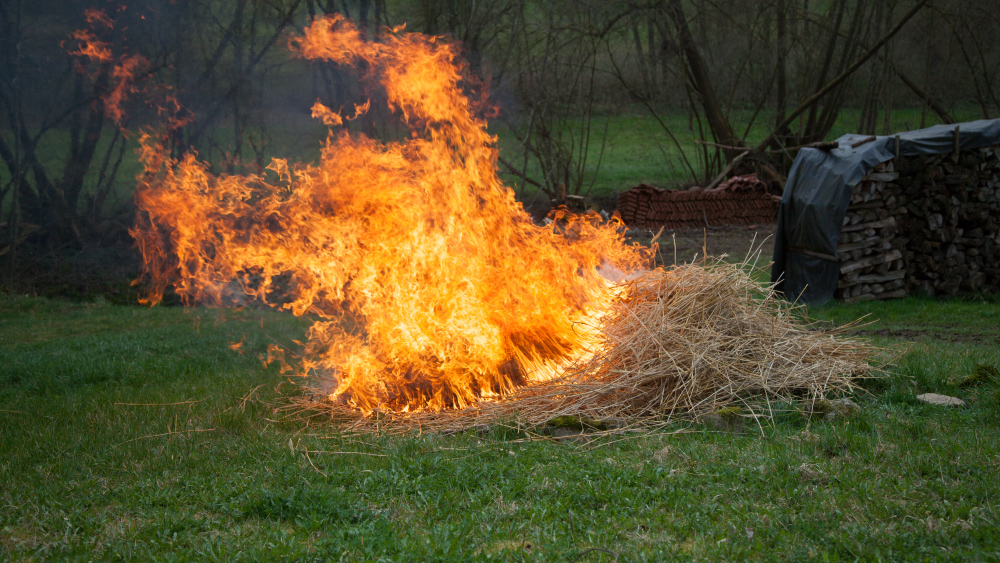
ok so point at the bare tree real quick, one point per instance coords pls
(974, 31)
(722, 130)
(69, 104)
(218, 74)
(557, 78)
(64, 200)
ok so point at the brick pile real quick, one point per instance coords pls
(742, 200)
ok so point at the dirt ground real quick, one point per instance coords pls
(685, 245)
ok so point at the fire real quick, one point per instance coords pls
(90, 46)
(430, 285)
(118, 76)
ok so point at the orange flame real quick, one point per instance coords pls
(121, 75)
(96, 17)
(124, 76)
(89, 46)
(431, 285)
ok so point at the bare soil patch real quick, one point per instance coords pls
(941, 334)
(680, 246)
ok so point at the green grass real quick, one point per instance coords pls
(138, 434)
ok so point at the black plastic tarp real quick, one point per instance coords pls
(818, 190)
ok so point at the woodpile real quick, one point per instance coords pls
(742, 200)
(871, 253)
(924, 224)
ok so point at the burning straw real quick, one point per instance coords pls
(678, 343)
(436, 300)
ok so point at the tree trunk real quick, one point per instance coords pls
(721, 129)
(781, 85)
(932, 103)
(824, 69)
(237, 29)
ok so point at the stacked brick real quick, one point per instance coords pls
(928, 224)
(742, 200)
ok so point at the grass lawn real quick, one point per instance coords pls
(139, 434)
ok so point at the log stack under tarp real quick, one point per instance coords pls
(871, 253)
(742, 200)
(927, 224)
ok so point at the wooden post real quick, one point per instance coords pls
(897, 146)
(956, 141)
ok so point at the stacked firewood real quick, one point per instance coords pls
(953, 222)
(871, 253)
(923, 224)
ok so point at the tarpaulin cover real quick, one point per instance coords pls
(818, 190)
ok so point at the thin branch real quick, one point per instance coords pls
(729, 168)
(592, 550)
(342, 453)
(843, 76)
(520, 173)
(931, 102)
(645, 102)
(168, 434)
(188, 402)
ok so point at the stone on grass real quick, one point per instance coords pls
(943, 400)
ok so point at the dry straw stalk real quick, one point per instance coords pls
(680, 343)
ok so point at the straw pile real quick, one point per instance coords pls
(681, 343)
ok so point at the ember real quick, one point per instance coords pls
(432, 286)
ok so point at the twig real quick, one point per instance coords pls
(593, 549)
(821, 145)
(342, 453)
(188, 402)
(729, 168)
(168, 434)
(864, 141)
(519, 172)
(927, 98)
(248, 396)
(719, 145)
(313, 464)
